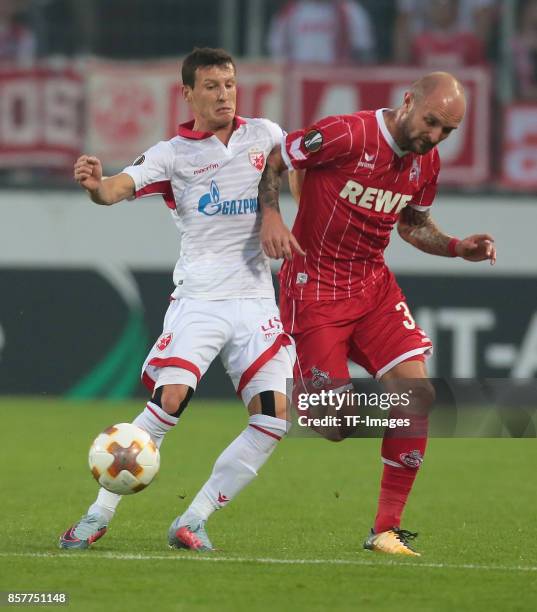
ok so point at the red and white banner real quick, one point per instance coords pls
(40, 118)
(315, 92)
(519, 163)
(130, 106)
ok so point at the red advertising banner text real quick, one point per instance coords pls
(40, 118)
(129, 106)
(519, 163)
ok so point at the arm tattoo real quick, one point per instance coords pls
(269, 189)
(419, 229)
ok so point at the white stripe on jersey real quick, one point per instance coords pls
(395, 160)
(357, 244)
(363, 145)
(330, 142)
(321, 247)
(376, 158)
(338, 247)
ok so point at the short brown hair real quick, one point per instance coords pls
(201, 57)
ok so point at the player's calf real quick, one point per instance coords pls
(234, 469)
(403, 449)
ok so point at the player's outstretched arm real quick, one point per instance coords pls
(88, 172)
(276, 238)
(418, 229)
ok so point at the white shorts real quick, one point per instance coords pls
(247, 333)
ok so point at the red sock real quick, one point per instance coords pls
(404, 455)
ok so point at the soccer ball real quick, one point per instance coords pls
(124, 459)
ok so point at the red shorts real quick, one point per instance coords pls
(376, 331)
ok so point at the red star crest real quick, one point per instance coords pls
(257, 159)
(163, 341)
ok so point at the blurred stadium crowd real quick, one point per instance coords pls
(424, 32)
(497, 36)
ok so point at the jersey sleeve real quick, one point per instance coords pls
(424, 199)
(277, 135)
(330, 139)
(151, 173)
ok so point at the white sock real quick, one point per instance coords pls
(156, 422)
(105, 504)
(238, 465)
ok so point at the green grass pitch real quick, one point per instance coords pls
(291, 541)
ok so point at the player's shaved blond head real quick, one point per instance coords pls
(441, 90)
(432, 108)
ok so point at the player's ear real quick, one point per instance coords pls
(187, 93)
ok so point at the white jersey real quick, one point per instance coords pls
(212, 192)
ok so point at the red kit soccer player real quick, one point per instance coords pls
(364, 174)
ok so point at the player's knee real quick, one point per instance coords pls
(173, 399)
(269, 403)
(267, 400)
(423, 395)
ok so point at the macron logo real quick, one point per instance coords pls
(372, 198)
(206, 169)
(369, 158)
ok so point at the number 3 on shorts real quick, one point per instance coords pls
(409, 323)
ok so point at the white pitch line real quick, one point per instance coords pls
(268, 561)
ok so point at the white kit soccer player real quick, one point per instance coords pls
(223, 303)
(221, 257)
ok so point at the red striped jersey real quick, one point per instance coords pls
(357, 181)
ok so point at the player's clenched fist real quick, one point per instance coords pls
(478, 247)
(88, 172)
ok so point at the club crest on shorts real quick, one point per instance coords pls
(413, 459)
(163, 341)
(257, 158)
(320, 378)
(313, 141)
